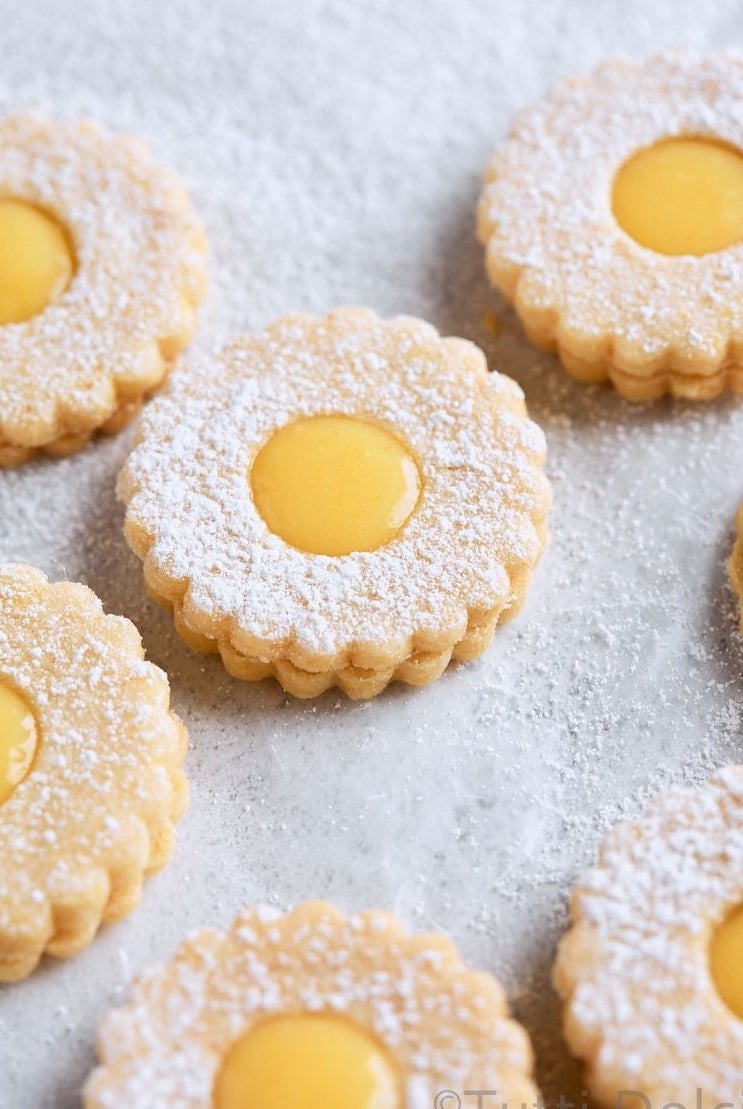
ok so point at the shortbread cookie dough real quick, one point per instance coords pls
(101, 270)
(90, 768)
(307, 1010)
(735, 565)
(652, 970)
(341, 501)
(613, 220)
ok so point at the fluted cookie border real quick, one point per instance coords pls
(421, 668)
(97, 811)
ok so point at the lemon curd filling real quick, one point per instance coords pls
(18, 739)
(36, 263)
(335, 484)
(681, 196)
(307, 1061)
(726, 961)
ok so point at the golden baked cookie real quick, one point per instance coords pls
(613, 220)
(90, 768)
(309, 1010)
(652, 970)
(341, 501)
(735, 564)
(101, 270)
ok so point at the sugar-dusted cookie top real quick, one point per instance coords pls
(306, 1010)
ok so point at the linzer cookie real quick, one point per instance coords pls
(90, 768)
(101, 270)
(310, 1010)
(339, 502)
(613, 220)
(652, 970)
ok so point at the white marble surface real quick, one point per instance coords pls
(334, 149)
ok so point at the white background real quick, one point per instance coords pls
(335, 150)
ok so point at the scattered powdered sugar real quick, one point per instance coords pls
(187, 487)
(336, 155)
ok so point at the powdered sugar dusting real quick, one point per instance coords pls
(336, 155)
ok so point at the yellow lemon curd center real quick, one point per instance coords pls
(36, 262)
(681, 196)
(307, 1061)
(335, 484)
(726, 961)
(18, 739)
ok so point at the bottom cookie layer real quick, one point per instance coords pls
(638, 388)
(11, 455)
(419, 669)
